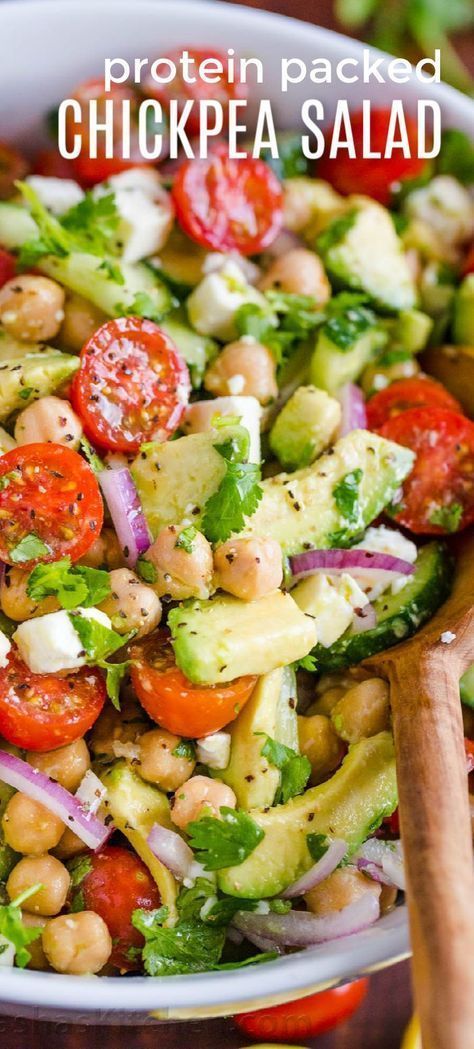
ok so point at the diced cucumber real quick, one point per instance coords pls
(332, 367)
(197, 350)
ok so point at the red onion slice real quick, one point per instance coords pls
(322, 869)
(339, 560)
(364, 619)
(383, 861)
(126, 512)
(354, 415)
(170, 849)
(57, 799)
(302, 929)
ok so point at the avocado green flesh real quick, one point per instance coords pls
(398, 615)
(332, 367)
(467, 687)
(23, 381)
(350, 805)
(463, 318)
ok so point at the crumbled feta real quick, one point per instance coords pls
(447, 637)
(214, 750)
(196, 870)
(383, 540)
(7, 953)
(446, 207)
(331, 601)
(91, 792)
(214, 302)
(56, 194)
(236, 384)
(50, 643)
(200, 414)
(145, 210)
(5, 647)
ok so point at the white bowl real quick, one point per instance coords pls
(46, 47)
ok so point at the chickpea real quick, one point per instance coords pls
(299, 272)
(77, 943)
(118, 728)
(49, 419)
(105, 552)
(321, 745)
(31, 307)
(327, 701)
(131, 605)
(30, 827)
(67, 765)
(249, 568)
(363, 711)
(69, 846)
(248, 363)
(38, 960)
(50, 874)
(377, 376)
(309, 201)
(197, 795)
(81, 320)
(344, 886)
(180, 572)
(14, 599)
(158, 764)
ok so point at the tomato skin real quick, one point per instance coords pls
(44, 711)
(372, 177)
(51, 164)
(228, 205)
(51, 492)
(220, 92)
(118, 884)
(468, 264)
(171, 700)
(7, 267)
(13, 166)
(90, 170)
(443, 473)
(405, 394)
(469, 748)
(305, 1018)
(123, 356)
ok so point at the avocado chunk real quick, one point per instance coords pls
(23, 381)
(331, 367)
(467, 687)
(198, 350)
(361, 251)
(221, 639)
(135, 806)
(463, 319)
(305, 426)
(299, 509)
(350, 805)
(14, 349)
(270, 711)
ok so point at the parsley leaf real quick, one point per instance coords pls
(317, 845)
(456, 156)
(347, 319)
(29, 548)
(224, 842)
(26, 392)
(295, 769)
(185, 540)
(238, 494)
(346, 495)
(190, 901)
(191, 946)
(99, 642)
(12, 928)
(114, 675)
(335, 231)
(447, 517)
(306, 663)
(89, 227)
(146, 570)
(142, 305)
(94, 221)
(73, 585)
(286, 322)
(95, 462)
(185, 749)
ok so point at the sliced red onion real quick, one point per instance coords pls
(383, 861)
(364, 619)
(57, 799)
(354, 416)
(302, 929)
(91, 792)
(322, 869)
(126, 512)
(338, 560)
(284, 242)
(170, 849)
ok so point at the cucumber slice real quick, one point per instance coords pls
(398, 615)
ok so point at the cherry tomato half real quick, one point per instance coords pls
(373, 177)
(132, 385)
(228, 205)
(438, 494)
(116, 884)
(50, 164)
(43, 711)
(12, 167)
(468, 264)
(305, 1018)
(7, 266)
(404, 394)
(220, 92)
(89, 170)
(171, 700)
(48, 494)
(469, 748)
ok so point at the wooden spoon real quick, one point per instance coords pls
(424, 677)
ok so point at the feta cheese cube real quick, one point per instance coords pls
(214, 750)
(5, 647)
(7, 953)
(383, 540)
(56, 194)
(214, 302)
(199, 416)
(145, 210)
(50, 643)
(446, 207)
(331, 602)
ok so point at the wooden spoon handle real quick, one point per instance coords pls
(436, 832)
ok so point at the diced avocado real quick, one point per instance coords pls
(361, 251)
(299, 509)
(305, 427)
(24, 381)
(331, 367)
(221, 639)
(410, 331)
(8, 858)
(6, 442)
(197, 350)
(135, 806)
(463, 319)
(310, 204)
(16, 225)
(181, 260)
(350, 805)
(214, 302)
(14, 349)
(270, 711)
(467, 687)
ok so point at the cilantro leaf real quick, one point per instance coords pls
(237, 496)
(114, 675)
(95, 462)
(13, 930)
(335, 231)
(317, 845)
(142, 305)
(26, 392)
(146, 570)
(94, 221)
(29, 548)
(346, 495)
(185, 540)
(185, 749)
(52, 239)
(295, 769)
(224, 842)
(190, 901)
(191, 946)
(89, 227)
(447, 517)
(347, 319)
(306, 663)
(73, 585)
(97, 640)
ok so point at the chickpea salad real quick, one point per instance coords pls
(235, 400)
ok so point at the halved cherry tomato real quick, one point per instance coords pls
(47, 493)
(132, 385)
(12, 167)
(51, 164)
(43, 711)
(373, 177)
(305, 1018)
(171, 700)
(393, 822)
(468, 264)
(7, 266)
(469, 748)
(228, 205)
(89, 170)
(438, 494)
(404, 394)
(116, 884)
(220, 92)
